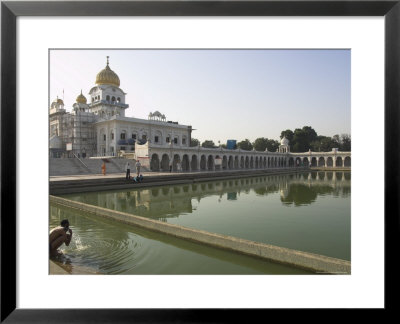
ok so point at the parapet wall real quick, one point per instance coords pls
(305, 260)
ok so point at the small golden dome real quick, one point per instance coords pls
(81, 99)
(59, 101)
(107, 76)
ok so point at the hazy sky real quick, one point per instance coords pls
(223, 94)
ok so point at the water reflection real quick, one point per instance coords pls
(308, 211)
(101, 246)
(296, 190)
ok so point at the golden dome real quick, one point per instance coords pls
(59, 101)
(107, 76)
(81, 99)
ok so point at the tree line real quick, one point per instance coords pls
(300, 140)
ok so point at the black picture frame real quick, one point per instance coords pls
(11, 10)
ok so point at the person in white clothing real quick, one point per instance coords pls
(128, 171)
(138, 165)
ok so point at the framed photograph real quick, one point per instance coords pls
(47, 46)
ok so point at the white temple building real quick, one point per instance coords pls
(100, 127)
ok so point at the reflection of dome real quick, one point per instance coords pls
(107, 76)
(284, 141)
(284, 193)
(81, 98)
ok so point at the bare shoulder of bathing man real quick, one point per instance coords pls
(59, 235)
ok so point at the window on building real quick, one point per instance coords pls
(122, 148)
(118, 99)
(113, 99)
(134, 136)
(144, 137)
(104, 137)
(155, 139)
(176, 140)
(184, 141)
(108, 98)
(167, 139)
(122, 135)
(112, 136)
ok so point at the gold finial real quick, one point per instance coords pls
(107, 59)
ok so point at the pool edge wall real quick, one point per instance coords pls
(305, 260)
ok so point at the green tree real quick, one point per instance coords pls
(260, 144)
(245, 145)
(323, 144)
(345, 141)
(194, 142)
(302, 138)
(272, 145)
(288, 134)
(208, 144)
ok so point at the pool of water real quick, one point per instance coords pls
(307, 211)
(107, 247)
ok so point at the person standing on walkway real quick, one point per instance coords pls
(103, 168)
(138, 165)
(128, 171)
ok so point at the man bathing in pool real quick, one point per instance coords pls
(59, 235)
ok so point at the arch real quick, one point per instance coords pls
(236, 163)
(246, 162)
(193, 163)
(165, 162)
(108, 98)
(329, 161)
(184, 140)
(122, 135)
(185, 163)
(314, 161)
(175, 161)
(297, 162)
(155, 163)
(347, 161)
(203, 162)
(157, 137)
(224, 165)
(112, 99)
(321, 161)
(256, 162)
(242, 164)
(339, 161)
(230, 162)
(210, 162)
(306, 162)
(251, 162)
